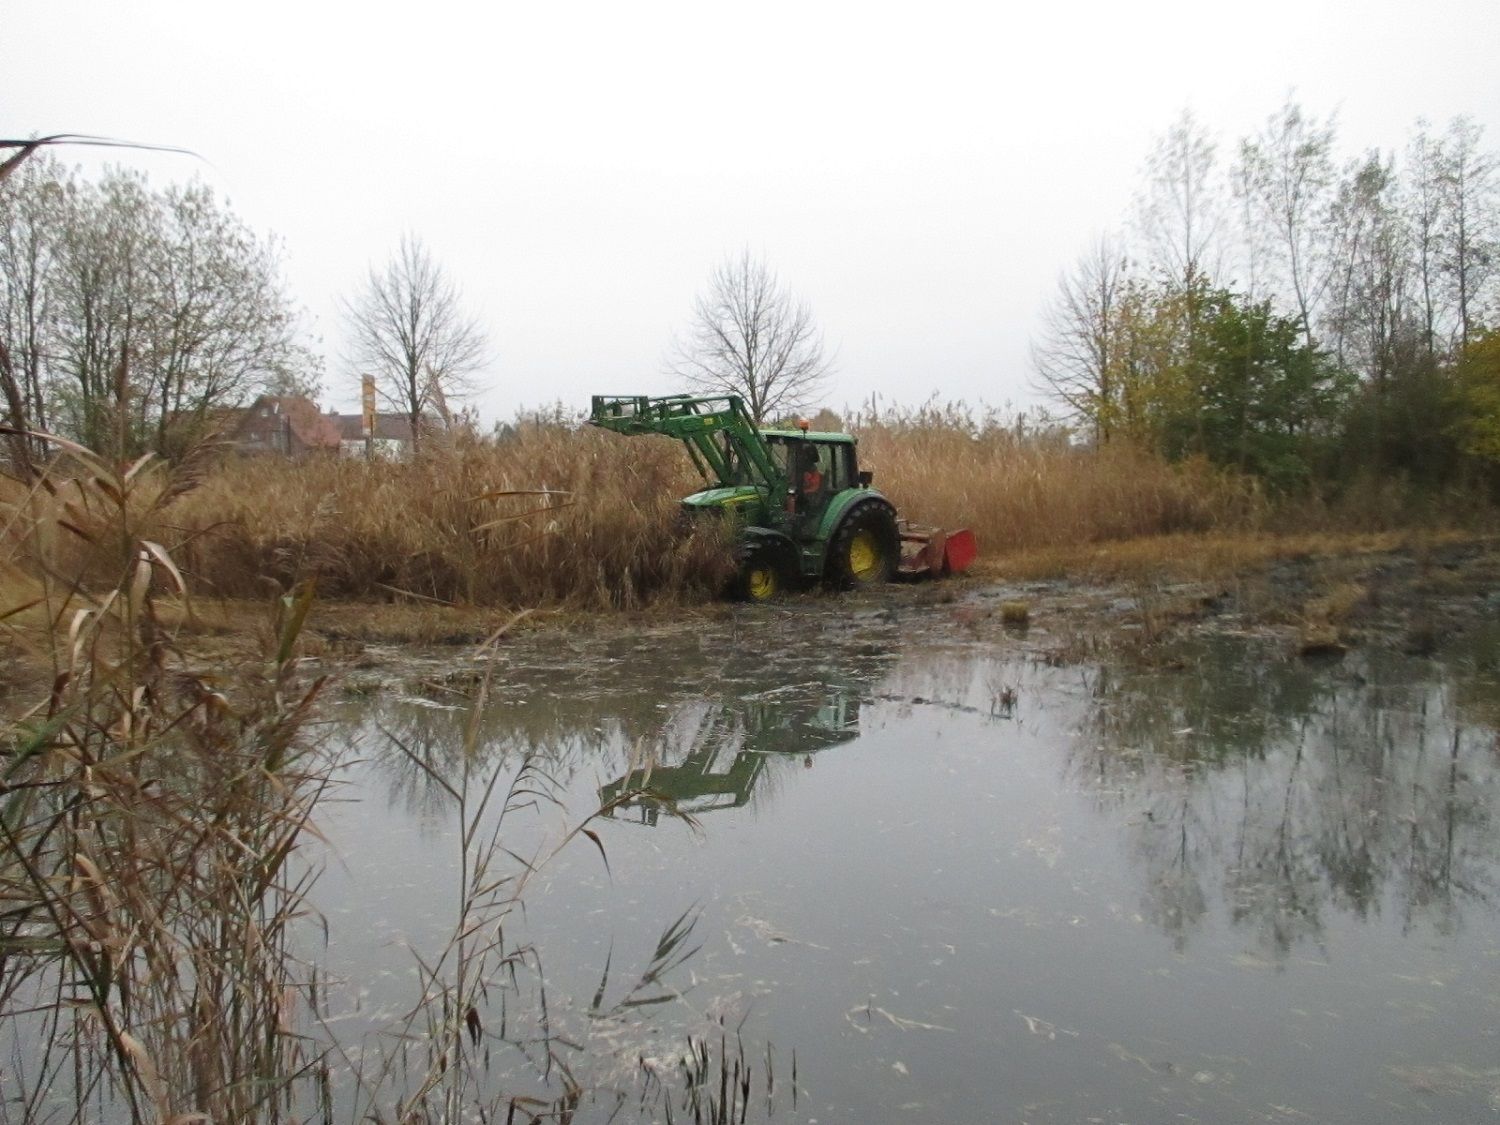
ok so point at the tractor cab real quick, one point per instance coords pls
(816, 468)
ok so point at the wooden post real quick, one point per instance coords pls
(367, 403)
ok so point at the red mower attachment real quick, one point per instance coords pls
(933, 552)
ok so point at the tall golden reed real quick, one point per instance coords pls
(575, 518)
(549, 517)
(1020, 490)
(150, 819)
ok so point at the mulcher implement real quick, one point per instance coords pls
(804, 510)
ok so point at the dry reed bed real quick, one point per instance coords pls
(465, 525)
(157, 853)
(551, 517)
(149, 816)
(590, 521)
(1024, 492)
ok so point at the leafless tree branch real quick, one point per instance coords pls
(751, 337)
(409, 332)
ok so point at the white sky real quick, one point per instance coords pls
(920, 174)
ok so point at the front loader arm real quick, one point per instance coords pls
(696, 422)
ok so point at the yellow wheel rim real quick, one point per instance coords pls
(761, 583)
(864, 556)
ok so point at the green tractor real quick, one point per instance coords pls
(805, 510)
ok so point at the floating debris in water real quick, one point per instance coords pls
(869, 1011)
(770, 935)
(1044, 1028)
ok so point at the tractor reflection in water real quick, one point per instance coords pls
(727, 753)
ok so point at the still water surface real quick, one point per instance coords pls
(964, 883)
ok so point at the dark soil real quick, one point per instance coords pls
(1417, 602)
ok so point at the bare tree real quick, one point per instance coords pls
(1181, 216)
(1076, 359)
(93, 271)
(1423, 192)
(220, 324)
(1288, 175)
(103, 298)
(1471, 246)
(409, 332)
(1182, 210)
(31, 212)
(1373, 315)
(751, 337)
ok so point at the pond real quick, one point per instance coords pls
(947, 874)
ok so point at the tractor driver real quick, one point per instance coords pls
(812, 476)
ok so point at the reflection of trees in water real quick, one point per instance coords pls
(1449, 848)
(1272, 882)
(1175, 899)
(412, 744)
(954, 682)
(1296, 790)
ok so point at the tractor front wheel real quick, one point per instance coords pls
(763, 575)
(864, 549)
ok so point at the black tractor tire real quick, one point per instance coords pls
(764, 574)
(865, 548)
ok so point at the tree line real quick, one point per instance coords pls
(132, 319)
(130, 315)
(1275, 306)
(1294, 313)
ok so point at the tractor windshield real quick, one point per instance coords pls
(814, 466)
(780, 454)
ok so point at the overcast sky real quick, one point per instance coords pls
(919, 174)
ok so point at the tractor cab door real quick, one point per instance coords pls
(815, 472)
(815, 480)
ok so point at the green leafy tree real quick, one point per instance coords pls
(1269, 399)
(1478, 382)
(1154, 359)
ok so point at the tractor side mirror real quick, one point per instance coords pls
(865, 477)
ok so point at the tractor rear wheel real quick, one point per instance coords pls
(763, 575)
(865, 548)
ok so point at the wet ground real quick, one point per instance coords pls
(1176, 853)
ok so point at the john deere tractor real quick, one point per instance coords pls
(804, 510)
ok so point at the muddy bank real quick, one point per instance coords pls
(1308, 608)
(1411, 599)
(1414, 601)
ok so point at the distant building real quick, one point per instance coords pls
(392, 436)
(288, 425)
(293, 426)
